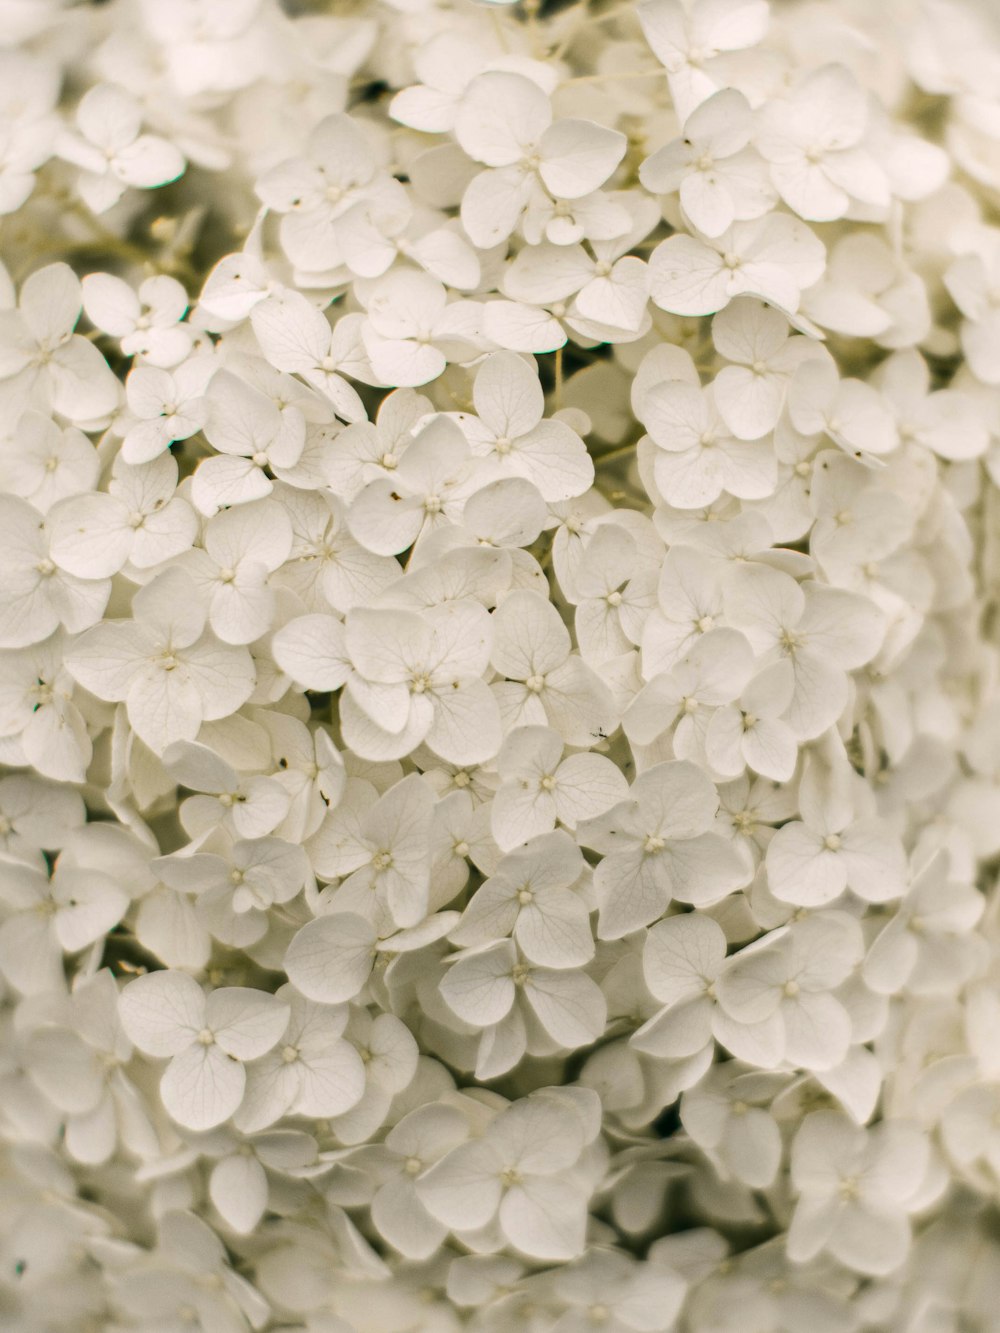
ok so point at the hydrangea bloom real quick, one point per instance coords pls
(499, 666)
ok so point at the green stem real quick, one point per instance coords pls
(620, 452)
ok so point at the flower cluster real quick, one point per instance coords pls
(499, 666)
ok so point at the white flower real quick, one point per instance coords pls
(860, 519)
(854, 1188)
(391, 1059)
(605, 1286)
(812, 862)
(29, 129)
(43, 463)
(317, 193)
(532, 896)
(112, 152)
(752, 732)
(147, 322)
(947, 422)
(495, 989)
(688, 697)
(750, 392)
(824, 632)
(689, 605)
(609, 291)
(104, 1107)
(618, 712)
(36, 707)
(379, 847)
(539, 787)
(510, 431)
(927, 945)
(139, 520)
(970, 1133)
(683, 957)
(312, 1071)
(165, 407)
(242, 547)
(412, 331)
(445, 64)
(419, 678)
(37, 596)
(776, 994)
(657, 845)
(187, 1271)
(236, 883)
(868, 291)
(205, 1037)
(370, 451)
(43, 363)
(36, 814)
(294, 336)
(505, 122)
(411, 1147)
(426, 489)
(774, 258)
(237, 283)
(722, 1116)
(689, 39)
(251, 434)
(246, 808)
(697, 458)
(851, 412)
(521, 1172)
(720, 179)
(309, 767)
(43, 918)
(169, 671)
(240, 1185)
(813, 139)
(546, 683)
(326, 566)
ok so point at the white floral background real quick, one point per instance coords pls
(499, 675)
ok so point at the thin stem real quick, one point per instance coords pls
(115, 246)
(559, 378)
(498, 29)
(585, 18)
(619, 452)
(603, 78)
(531, 8)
